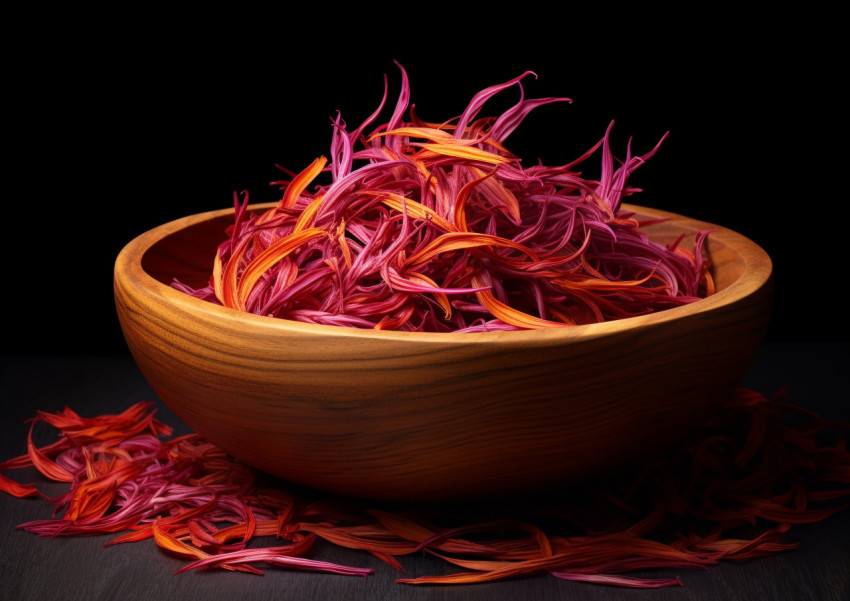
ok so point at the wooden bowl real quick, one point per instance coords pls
(430, 416)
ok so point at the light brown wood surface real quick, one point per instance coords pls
(428, 416)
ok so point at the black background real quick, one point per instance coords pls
(114, 124)
(110, 133)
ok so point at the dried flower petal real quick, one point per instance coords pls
(765, 476)
(451, 202)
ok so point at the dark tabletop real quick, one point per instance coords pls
(81, 568)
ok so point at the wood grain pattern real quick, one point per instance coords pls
(427, 416)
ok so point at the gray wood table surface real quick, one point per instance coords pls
(33, 568)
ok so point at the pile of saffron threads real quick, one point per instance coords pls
(730, 492)
(438, 227)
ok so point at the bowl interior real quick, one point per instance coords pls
(187, 254)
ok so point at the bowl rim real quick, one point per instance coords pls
(128, 270)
